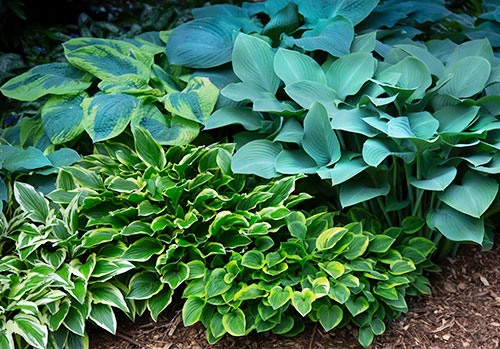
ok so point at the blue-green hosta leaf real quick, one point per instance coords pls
(477, 48)
(349, 73)
(165, 129)
(355, 10)
(377, 150)
(104, 317)
(473, 197)
(346, 168)
(257, 157)
(253, 60)
(320, 141)
(51, 78)
(492, 168)
(455, 225)
(15, 159)
(468, 77)
(414, 75)
(351, 120)
(196, 102)
(435, 66)
(292, 66)
(457, 118)
(285, 21)
(113, 61)
(106, 116)
(291, 132)
(421, 125)
(31, 202)
(364, 43)
(334, 36)
(62, 117)
(306, 93)
(355, 192)
(30, 328)
(149, 41)
(246, 117)
(202, 43)
(294, 162)
(437, 179)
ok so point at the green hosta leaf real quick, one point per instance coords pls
(253, 62)
(334, 36)
(473, 197)
(355, 10)
(334, 269)
(106, 116)
(62, 117)
(143, 249)
(295, 161)
(329, 317)
(320, 141)
(437, 179)
(202, 43)
(381, 243)
(31, 202)
(148, 149)
(292, 66)
(257, 157)
(104, 317)
(302, 301)
(252, 291)
(159, 302)
(412, 225)
(357, 306)
(165, 129)
(107, 293)
(253, 260)
(51, 78)
(355, 192)
(30, 328)
(144, 285)
(98, 236)
(349, 73)
(112, 61)
(174, 274)
(196, 102)
(327, 239)
(435, 66)
(402, 267)
(365, 336)
(216, 284)
(279, 296)
(455, 225)
(246, 117)
(357, 247)
(234, 322)
(192, 309)
(86, 178)
(296, 223)
(468, 77)
(377, 150)
(340, 293)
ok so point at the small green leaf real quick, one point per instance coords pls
(329, 317)
(302, 301)
(234, 322)
(253, 260)
(278, 296)
(144, 285)
(192, 309)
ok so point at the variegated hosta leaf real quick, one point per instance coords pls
(195, 102)
(62, 117)
(165, 129)
(106, 116)
(52, 78)
(110, 60)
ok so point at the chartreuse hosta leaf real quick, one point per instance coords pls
(51, 78)
(112, 61)
(106, 116)
(196, 102)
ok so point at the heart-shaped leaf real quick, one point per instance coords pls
(329, 317)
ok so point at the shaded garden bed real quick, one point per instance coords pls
(463, 312)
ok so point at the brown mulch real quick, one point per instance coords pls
(463, 312)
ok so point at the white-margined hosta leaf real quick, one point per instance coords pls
(51, 78)
(196, 102)
(31, 202)
(104, 317)
(62, 117)
(106, 116)
(30, 328)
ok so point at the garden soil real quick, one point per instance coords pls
(462, 312)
